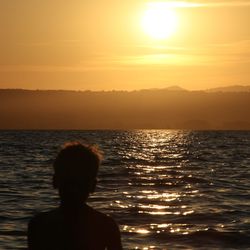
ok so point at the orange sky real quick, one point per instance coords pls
(100, 45)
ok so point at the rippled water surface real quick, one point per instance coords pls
(166, 189)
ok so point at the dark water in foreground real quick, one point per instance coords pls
(166, 189)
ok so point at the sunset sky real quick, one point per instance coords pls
(111, 44)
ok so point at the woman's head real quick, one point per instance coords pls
(75, 171)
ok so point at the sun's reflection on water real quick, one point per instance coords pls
(181, 229)
(160, 186)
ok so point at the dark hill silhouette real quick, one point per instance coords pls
(175, 88)
(158, 108)
(234, 88)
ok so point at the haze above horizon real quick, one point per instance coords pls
(124, 45)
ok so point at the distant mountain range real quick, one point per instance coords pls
(234, 88)
(175, 88)
(169, 108)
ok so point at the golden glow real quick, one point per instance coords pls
(142, 231)
(129, 51)
(159, 20)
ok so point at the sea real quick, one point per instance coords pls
(167, 189)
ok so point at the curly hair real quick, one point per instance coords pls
(77, 159)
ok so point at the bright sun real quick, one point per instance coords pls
(159, 20)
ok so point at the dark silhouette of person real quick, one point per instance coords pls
(74, 225)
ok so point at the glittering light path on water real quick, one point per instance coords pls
(166, 189)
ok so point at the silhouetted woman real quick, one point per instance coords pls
(74, 225)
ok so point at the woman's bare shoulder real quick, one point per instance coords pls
(101, 217)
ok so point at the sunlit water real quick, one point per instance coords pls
(166, 189)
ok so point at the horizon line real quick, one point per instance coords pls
(170, 87)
